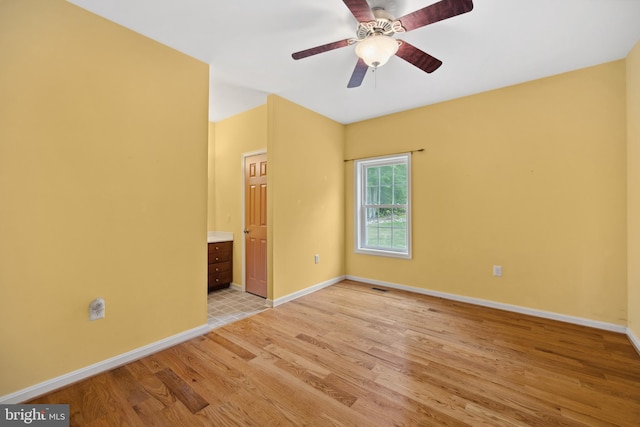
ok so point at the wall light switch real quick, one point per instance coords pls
(316, 258)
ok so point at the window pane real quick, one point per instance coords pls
(385, 235)
(386, 175)
(399, 195)
(386, 195)
(399, 238)
(400, 174)
(372, 238)
(372, 176)
(399, 229)
(373, 196)
(400, 217)
(372, 226)
(384, 217)
(372, 216)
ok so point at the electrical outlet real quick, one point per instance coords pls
(316, 258)
(497, 270)
(96, 309)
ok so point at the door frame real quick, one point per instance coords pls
(244, 207)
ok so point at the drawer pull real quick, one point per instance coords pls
(217, 269)
(217, 280)
(217, 259)
(217, 248)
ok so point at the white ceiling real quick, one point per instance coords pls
(248, 45)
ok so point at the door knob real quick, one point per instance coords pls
(246, 231)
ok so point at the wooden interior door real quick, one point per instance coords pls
(255, 170)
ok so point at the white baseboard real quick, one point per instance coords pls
(501, 306)
(105, 365)
(634, 339)
(317, 287)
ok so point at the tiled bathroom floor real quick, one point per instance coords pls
(228, 305)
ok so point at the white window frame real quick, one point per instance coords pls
(360, 167)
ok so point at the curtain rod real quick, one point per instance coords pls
(382, 155)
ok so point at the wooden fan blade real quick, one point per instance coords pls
(358, 74)
(435, 12)
(416, 57)
(360, 9)
(319, 49)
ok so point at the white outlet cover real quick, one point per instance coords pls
(497, 270)
(96, 309)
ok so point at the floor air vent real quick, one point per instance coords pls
(378, 289)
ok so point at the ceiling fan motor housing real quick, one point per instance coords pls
(384, 24)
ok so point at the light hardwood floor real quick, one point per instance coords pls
(349, 355)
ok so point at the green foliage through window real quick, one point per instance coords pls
(383, 205)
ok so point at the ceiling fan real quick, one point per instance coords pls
(374, 40)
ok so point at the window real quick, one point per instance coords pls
(383, 225)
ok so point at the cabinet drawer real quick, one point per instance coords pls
(219, 252)
(219, 257)
(219, 278)
(220, 267)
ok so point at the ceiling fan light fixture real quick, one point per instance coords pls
(376, 49)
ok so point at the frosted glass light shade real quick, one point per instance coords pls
(376, 50)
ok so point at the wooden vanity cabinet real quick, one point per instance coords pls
(220, 265)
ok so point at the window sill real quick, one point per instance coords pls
(379, 252)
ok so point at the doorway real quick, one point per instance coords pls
(255, 231)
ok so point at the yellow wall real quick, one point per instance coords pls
(531, 177)
(211, 168)
(103, 147)
(306, 195)
(235, 136)
(633, 182)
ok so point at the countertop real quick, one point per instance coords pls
(219, 236)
